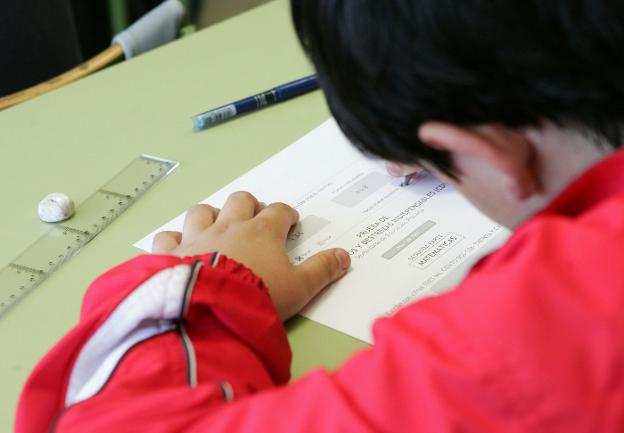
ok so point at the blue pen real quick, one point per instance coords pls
(269, 97)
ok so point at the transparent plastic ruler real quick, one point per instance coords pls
(66, 238)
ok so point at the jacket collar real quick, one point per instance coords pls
(599, 183)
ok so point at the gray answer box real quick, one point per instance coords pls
(361, 189)
(303, 230)
(403, 243)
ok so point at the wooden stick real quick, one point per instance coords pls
(105, 58)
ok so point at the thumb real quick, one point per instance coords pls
(323, 268)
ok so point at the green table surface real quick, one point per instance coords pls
(74, 139)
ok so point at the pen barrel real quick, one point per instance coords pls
(257, 101)
(296, 88)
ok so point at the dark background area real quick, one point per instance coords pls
(44, 38)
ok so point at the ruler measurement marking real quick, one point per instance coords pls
(74, 231)
(28, 269)
(116, 194)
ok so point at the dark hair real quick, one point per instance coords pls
(386, 66)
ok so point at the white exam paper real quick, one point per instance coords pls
(406, 243)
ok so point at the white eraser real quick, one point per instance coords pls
(55, 207)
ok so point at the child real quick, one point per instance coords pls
(518, 105)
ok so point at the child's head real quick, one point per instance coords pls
(387, 67)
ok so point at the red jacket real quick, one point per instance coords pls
(532, 340)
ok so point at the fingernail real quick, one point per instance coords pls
(343, 259)
(394, 169)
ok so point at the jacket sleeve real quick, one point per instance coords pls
(163, 328)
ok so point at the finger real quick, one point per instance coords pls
(323, 269)
(396, 169)
(165, 242)
(239, 206)
(279, 217)
(198, 218)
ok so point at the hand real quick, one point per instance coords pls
(255, 235)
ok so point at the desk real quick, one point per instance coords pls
(74, 139)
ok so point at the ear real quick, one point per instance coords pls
(504, 149)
